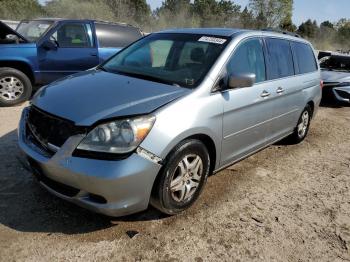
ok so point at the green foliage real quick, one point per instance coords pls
(19, 9)
(136, 12)
(308, 29)
(247, 19)
(175, 13)
(217, 13)
(80, 9)
(343, 35)
(186, 13)
(272, 13)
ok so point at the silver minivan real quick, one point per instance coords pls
(150, 124)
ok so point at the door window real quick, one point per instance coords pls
(73, 35)
(248, 58)
(305, 58)
(279, 57)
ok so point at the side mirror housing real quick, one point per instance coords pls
(241, 80)
(49, 45)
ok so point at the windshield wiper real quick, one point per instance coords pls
(145, 77)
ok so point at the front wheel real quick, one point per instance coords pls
(302, 128)
(15, 87)
(182, 179)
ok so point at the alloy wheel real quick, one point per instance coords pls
(304, 123)
(11, 88)
(186, 178)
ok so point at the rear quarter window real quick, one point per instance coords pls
(304, 58)
(279, 58)
(111, 35)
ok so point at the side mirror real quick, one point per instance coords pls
(241, 80)
(49, 45)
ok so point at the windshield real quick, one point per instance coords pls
(336, 63)
(178, 59)
(33, 30)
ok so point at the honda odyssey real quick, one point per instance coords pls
(151, 123)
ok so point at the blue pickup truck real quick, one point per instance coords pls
(43, 50)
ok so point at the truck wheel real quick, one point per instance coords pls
(15, 87)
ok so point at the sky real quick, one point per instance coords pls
(319, 10)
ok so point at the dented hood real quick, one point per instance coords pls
(94, 95)
(9, 31)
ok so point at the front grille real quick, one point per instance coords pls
(343, 94)
(47, 128)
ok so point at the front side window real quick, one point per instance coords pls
(305, 58)
(279, 57)
(33, 30)
(181, 59)
(248, 58)
(73, 35)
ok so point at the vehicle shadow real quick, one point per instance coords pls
(332, 103)
(25, 206)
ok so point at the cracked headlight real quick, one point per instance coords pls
(119, 136)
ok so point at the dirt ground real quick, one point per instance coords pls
(286, 203)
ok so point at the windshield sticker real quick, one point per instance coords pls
(213, 40)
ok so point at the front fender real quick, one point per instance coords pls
(190, 116)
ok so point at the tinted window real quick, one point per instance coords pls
(248, 58)
(305, 59)
(280, 59)
(73, 35)
(111, 35)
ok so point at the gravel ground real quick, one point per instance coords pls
(286, 203)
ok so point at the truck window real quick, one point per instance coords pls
(248, 58)
(73, 35)
(279, 58)
(305, 58)
(113, 35)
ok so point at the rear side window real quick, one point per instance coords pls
(305, 58)
(112, 35)
(248, 58)
(280, 59)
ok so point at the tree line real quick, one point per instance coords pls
(257, 14)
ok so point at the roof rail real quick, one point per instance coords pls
(280, 31)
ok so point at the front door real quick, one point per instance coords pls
(247, 111)
(76, 51)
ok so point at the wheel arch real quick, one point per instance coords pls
(312, 106)
(22, 66)
(208, 143)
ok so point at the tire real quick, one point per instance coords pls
(302, 128)
(187, 186)
(15, 87)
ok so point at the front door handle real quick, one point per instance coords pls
(265, 94)
(279, 90)
(93, 54)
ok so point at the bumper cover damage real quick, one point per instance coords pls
(114, 188)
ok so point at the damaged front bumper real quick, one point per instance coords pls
(114, 188)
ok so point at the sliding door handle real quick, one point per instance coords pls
(265, 94)
(279, 90)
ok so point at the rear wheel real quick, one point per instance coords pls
(15, 87)
(182, 178)
(302, 128)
